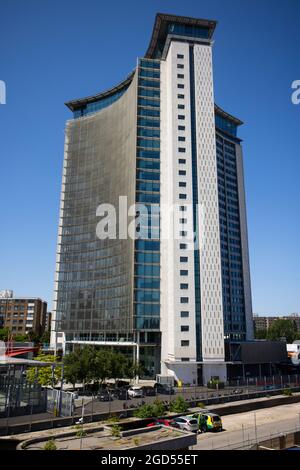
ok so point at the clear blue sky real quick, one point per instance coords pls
(55, 50)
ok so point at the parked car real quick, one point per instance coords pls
(105, 395)
(208, 421)
(121, 394)
(149, 391)
(165, 422)
(135, 392)
(164, 389)
(187, 423)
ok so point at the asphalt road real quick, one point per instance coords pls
(244, 429)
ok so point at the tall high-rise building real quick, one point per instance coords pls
(173, 297)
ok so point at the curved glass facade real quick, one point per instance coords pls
(95, 277)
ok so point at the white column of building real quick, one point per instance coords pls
(209, 230)
(172, 174)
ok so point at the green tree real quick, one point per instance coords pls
(179, 405)
(33, 337)
(282, 328)
(4, 334)
(80, 365)
(261, 334)
(45, 338)
(134, 369)
(21, 338)
(45, 375)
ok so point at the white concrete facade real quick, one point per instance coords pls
(179, 347)
(177, 264)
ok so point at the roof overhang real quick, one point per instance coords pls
(79, 103)
(160, 28)
(228, 116)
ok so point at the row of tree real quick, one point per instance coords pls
(84, 365)
(280, 329)
(31, 336)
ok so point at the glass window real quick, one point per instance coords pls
(184, 286)
(184, 272)
(182, 196)
(148, 112)
(182, 172)
(145, 102)
(185, 343)
(181, 161)
(149, 63)
(184, 314)
(180, 85)
(180, 56)
(143, 175)
(180, 106)
(149, 83)
(181, 116)
(148, 122)
(185, 328)
(184, 259)
(148, 143)
(149, 73)
(181, 149)
(184, 300)
(145, 132)
(181, 128)
(180, 66)
(180, 75)
(148, 153)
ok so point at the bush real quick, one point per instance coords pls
(200, 405)
(116, 430)
(179, 405)
(50, 445)
(287, 392)
(112, 419)
(158, 408)
(80, 433)
(145, 411)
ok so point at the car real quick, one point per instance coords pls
(121, 394)
(164, 422)
(149, 391)
(208, 421)
(187, 423)
(164, 389)
(105, 395)
(135, 392)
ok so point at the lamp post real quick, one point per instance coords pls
(255, 428)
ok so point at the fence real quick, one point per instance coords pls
(20, 397)
(60, 403)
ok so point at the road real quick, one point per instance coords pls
(240, 430)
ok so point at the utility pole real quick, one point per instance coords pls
(255, 428)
